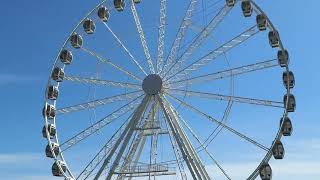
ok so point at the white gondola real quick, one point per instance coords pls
(89, 26)
(283, 58)
(52, 92)
(119, 5)
(55, 151)
(76, 40)
(49, 111)
(103, 13)
(66, 57)
(288, 79)
(51, 130)
(261, 22)
(278, 150)
(57, 74)
(286, 128)
(230, 3)
(274, 39)
(247, 9)
(56, 171)
(137, 1)
(265, 172)
(291, 106)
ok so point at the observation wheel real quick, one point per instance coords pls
(169, 89)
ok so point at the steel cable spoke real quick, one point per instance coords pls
(101, 59)
(227, 98)
(215, 53)
(211, 119)
(229, 72)
(142, 37)
(100, 102)
(102, 82)
(125, 49)
(100, 124)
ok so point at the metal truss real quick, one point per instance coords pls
(204, 34)
(186, 22)
(214, 54)
(100, 124)
(100, 102)
(124, 138)
(161, 34)
(196, 168)
(104, 151)
(102, 82)
(177, 153)
(138, 154)
(201, 144)
(133, 149)
(142, 38)
(228, 73)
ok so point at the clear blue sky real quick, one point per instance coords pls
(32, 32)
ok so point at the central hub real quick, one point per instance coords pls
(152, 84)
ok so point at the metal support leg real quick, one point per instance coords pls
(127, 133)
(194, 163)
(136, 143)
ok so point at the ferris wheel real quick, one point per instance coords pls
(161, 89)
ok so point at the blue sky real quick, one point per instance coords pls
(32, 32)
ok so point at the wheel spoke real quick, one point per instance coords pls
(102, 82)
(125, 49)
(161, 34)
(142, 37)
(100, 102)
(204, 34)
(100, 124)
(101, 59)
(104, 151)
(227, 98)
(228, 73)
(241, 135)
(215, 53)
(180, 36)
